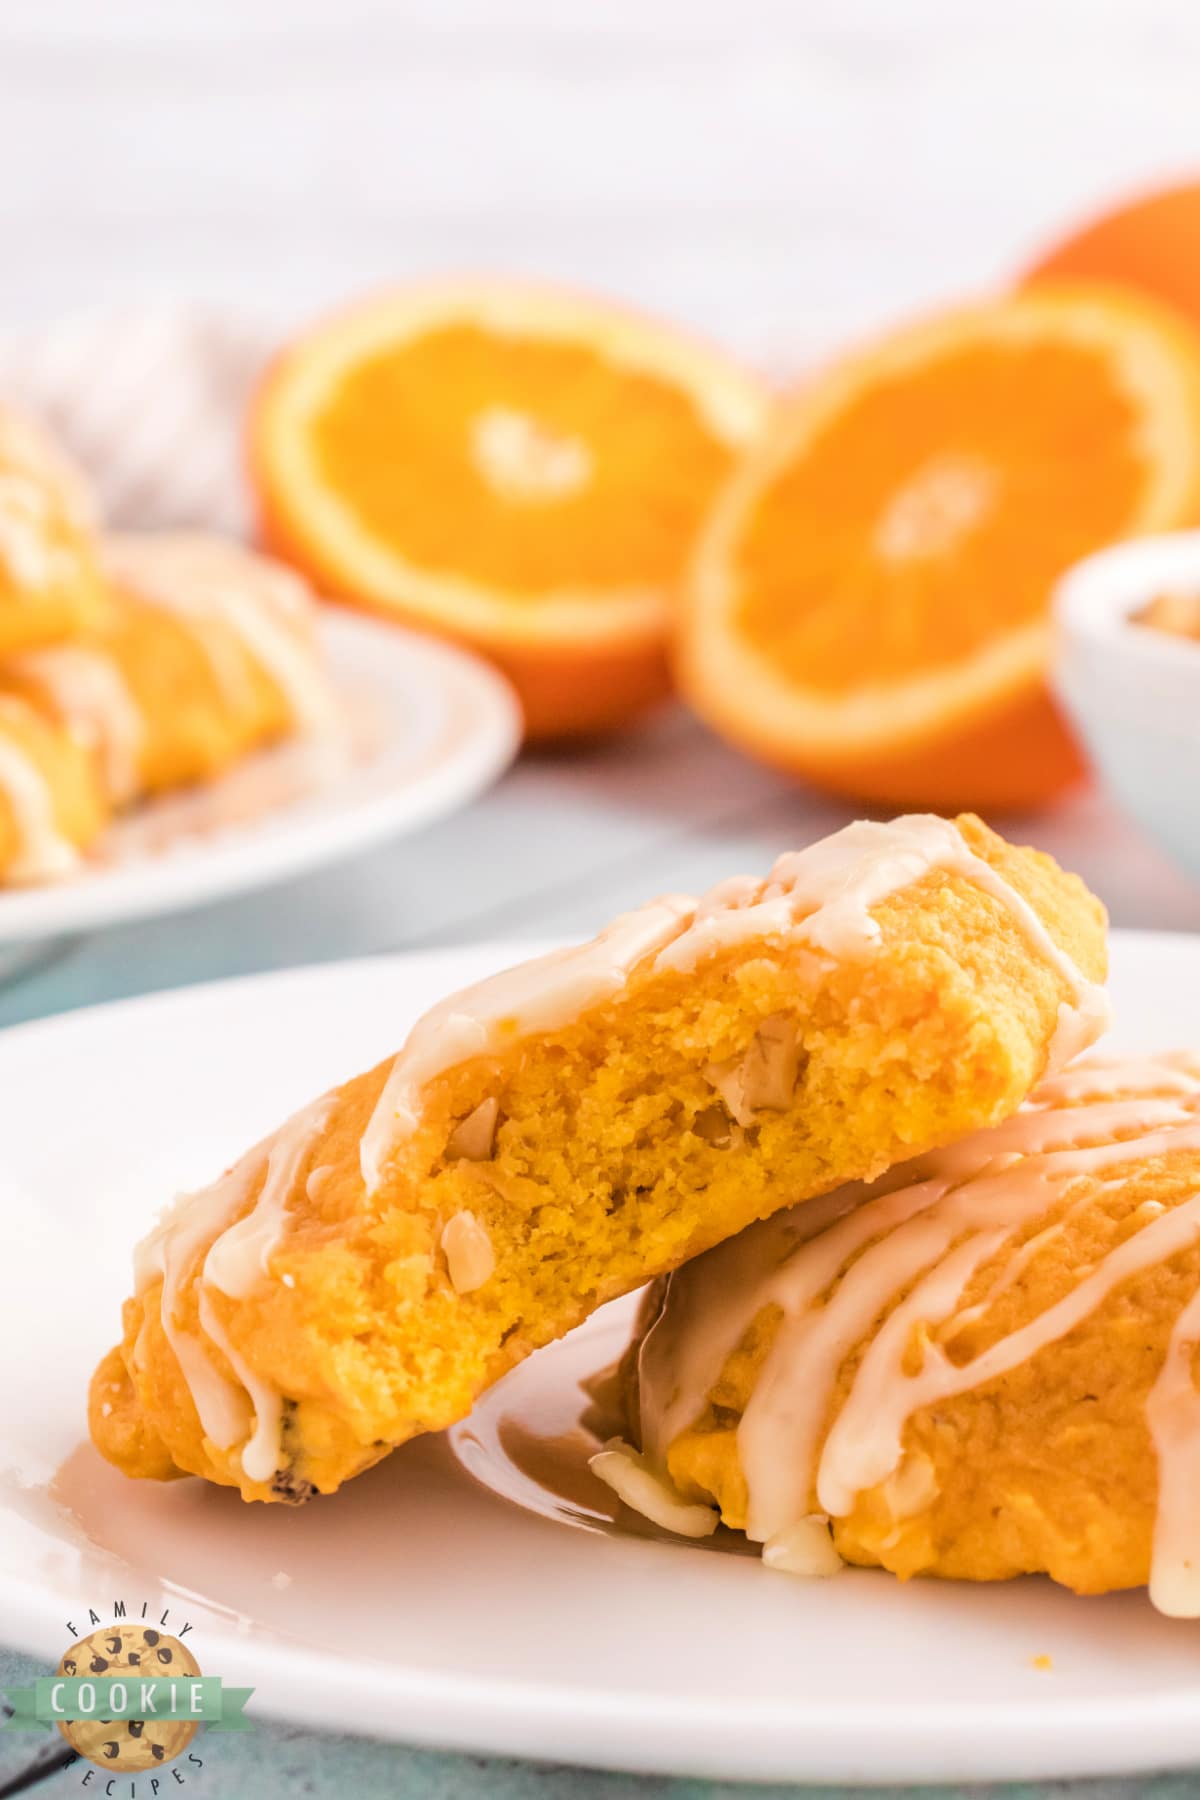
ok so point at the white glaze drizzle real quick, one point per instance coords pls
(248, 1410)
(92, 700)
(804, 1548)
(27, 448)
(619, 1466)
(1173, 1416)
(861, 1442)
(885, 1267)
(27, 549)
(541, 995)
(169, 1253)
(43, 853)
(267, 607)
(823, 895)
(45, 504)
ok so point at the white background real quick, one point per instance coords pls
(780, 172)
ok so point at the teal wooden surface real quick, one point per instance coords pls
(278, 1762)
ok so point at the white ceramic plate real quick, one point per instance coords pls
(421, 1603)
(441, 726)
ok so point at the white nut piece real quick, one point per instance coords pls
(470, 1259)
(474, 1137)
(913, 1487)
(771, 1065)
(805, 1548)
(318, 1180)
(726, 1077)
(1176, 613)
(764, 1078)
(626, 1471)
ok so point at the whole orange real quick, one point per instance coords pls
(1151, 242)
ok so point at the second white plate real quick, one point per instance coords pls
(444, 1604)
(442, 726)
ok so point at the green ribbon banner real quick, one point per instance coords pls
(61, 1699)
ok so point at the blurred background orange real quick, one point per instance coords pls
(1151, 241)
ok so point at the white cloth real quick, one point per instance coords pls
(151, 405)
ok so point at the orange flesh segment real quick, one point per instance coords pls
(519, 463)
(931, 515)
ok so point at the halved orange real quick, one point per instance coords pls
(516, 467)
(868, 606)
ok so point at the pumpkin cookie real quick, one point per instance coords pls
(565, 1131)
(980, 1366)
(216, 646)
(203, 653)
(49, 586)
(52, 804)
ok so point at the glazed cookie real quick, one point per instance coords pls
(49, 586)
(52, 805)
(203, 653)
(211, 650)
(570, 1128)
(980, 1366)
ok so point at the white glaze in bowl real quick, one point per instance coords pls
(1132, 691)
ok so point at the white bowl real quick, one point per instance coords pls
(1133, 692)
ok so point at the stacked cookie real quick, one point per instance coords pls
(584, 1123)
(980, 1365)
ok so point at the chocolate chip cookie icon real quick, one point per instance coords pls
(131, 1652)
